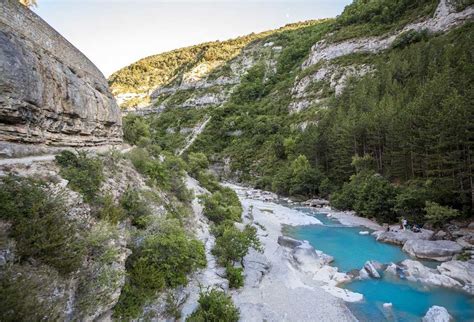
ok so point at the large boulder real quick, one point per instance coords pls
(416, 272)
(440, 250)
(308, 259)
(50, 93)
(371, 269)
(289, 242)
(460, 271)
(437, 314)
(400, 237)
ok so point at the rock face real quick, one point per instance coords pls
(460, 271)
(402, 236)
(437, 314)
(440, 250)
(446, 17)
(416, 272)
(50, 93)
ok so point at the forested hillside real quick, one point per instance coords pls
(385, 129)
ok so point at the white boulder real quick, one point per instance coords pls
(437, 314)
(459, 271)
(400, 237)
(416, 272)
(440, 250)
(372, 268)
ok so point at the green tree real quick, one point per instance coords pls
(438, 215)
(135, 128)
(232, 244)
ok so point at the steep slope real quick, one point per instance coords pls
(379, 81)
(50, 93)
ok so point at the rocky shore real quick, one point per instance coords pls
(290, 280)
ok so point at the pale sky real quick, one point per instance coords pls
(115, 33)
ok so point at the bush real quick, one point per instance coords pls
(196, 163)
(215, 306)
(162, 260)
(22, 296)
(84, 174)
(208, 181)
(134, 207)
(438, 215)
(409, 37)
(235, 276)
(222, 205)
(232, 244)
(110, 211)
(135, 128)
(379, 11)
(39, 224)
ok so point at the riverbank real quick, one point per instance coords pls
(284, 283)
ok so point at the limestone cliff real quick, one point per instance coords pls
(50, 93)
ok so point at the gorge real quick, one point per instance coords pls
(262, 178)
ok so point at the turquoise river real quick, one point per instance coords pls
(351, 250)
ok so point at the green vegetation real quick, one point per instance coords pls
(222, 205)
(364, 18)
(235, 276)
(197, 162)
(166, 171)
(167, 68)
(135, 128)
(40, 226)
(411, 116)
(232, 244)
(109, 210)
(214, 306)
(437, 215)
(135, 207)
(463, 4)
(85, 174)
(22, 295)
(162, 260)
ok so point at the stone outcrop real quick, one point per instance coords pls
(440, 250)
(460, 271)
(437, 314)
(400, 237)
(50, 93)
(445, 17)
(415, 271)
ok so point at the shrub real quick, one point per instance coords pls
(208, 181)
(85, 174)
(162, 260)
(21, 297)
(232, 244)
(438, 215)
(409, 37)
(235, 276)
(134, 207)
(215, 306)
(39, 224)
(139, 158)
(222, 205)
(110, 211)
(135, 128)
(196, 163)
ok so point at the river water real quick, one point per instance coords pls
(350, 250)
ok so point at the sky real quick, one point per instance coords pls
(116, 33)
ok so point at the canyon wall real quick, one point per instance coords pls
(50, 93)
